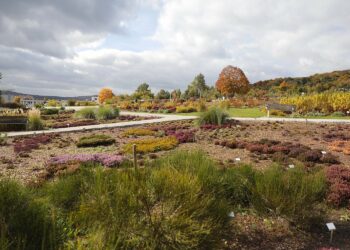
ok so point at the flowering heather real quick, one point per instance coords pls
(338, 177)
(27, 144)
(104, 159)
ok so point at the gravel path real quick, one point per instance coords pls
(165, 118)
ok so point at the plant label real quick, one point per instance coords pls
(330, 226)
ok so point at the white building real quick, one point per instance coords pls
(94, 98)
(30, 102)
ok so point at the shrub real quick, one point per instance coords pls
(293, 193)
(184, 109)
(95, 140)
(277, 113)
(26, 145)
(182, 136)
(340, 146)
(152, 145)
(108, 160)
(338, 114)
(34, 120)
(138, 132)
(86, 113)
(161, 207)
(107, 113)
(49, 111)
(24, 222)
(338, 178)
(214, 116)
(310, 156)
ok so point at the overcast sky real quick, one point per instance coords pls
(76, 47)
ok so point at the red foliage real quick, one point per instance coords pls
(338, 178)
(27, 144)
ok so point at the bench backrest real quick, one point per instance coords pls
(281, 107)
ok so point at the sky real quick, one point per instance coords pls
(71, 48)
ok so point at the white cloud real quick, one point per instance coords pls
(265, 38)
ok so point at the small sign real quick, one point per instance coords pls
(231, 214)
(323, 152)
(330, 226)
(291, 166)
(238, 159)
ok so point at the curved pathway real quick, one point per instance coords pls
(165, 118)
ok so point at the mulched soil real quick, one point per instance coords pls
(255, 232)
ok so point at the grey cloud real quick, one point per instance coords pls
(46, 26)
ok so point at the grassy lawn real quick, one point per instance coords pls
(236, 112)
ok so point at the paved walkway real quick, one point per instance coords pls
(165, 118)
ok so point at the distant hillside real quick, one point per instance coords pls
(81, 98)
(337, 80)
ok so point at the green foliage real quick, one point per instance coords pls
(25, 223)
(143, 92)
(71, 102)
(214, 115)
(163, 94)
(50, 111)
(86, 113)
(107, 113)
(333, 81)
(95, 140)
(197, 88)
(293, 193)
(138, 132)
(34, 121)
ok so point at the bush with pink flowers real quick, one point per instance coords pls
(108, 160)
(28, 144)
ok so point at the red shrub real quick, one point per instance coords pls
(338, 177)
(27, 144)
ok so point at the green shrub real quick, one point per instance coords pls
(49, 111)
(293, 193)
(107, 113)
(138, 132)
(95, 140)
(214, 116)
(184, 109)
(154, 208)
(86, 113)
(34, 120)
(24, 222)
(338, 114)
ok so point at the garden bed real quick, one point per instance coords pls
(312, 147)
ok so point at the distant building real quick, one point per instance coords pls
(94, 98)
(30, 102)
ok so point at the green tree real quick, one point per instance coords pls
(197, 87)
(143, 92)
(176, 94)
(163, 94)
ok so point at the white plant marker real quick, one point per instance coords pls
(231, 214)
(291, 166)
(323, 152)
(331, 228)
(237, 159)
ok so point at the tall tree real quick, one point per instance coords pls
(105, 94)
(197, 87)
(176, 94)
(163, 94)
(232, 81)
(143, 92)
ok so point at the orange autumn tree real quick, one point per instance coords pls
(105, 94)
(232, 81)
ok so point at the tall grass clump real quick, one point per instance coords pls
(34, 120)
(294, 194)
(86, 113)
(25, 223)
(107, 113)
(214, 116)
(164, 207)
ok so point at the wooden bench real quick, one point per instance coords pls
(17, 123)
(282, 107)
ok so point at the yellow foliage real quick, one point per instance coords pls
(138, 132)
(105, 94)
(152, 144)
(325, 102)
